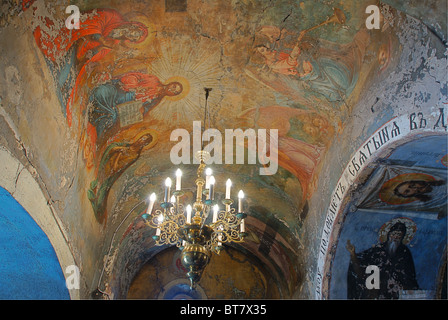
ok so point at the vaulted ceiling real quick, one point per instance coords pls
(97, 115)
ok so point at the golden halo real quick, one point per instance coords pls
(153, 133)
(185, 88)
(411, 228)
(142, 18)
(387, 194)
(444, 160)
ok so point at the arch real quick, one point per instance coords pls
(18, 181)
(30, 269)
(395, 132)
(365, 217)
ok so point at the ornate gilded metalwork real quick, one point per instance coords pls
(186, 227)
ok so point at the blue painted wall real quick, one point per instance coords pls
(361, 227)
(29, 267)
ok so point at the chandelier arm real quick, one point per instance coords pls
(177, 214)
(179, 219)
(228, 218)
(153, 220)
(168, 233)
(225, 236)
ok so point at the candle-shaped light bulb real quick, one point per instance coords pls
(167, 189)
(168, 182)
(242, 226)
(228, 185)
(152, 199)
(172, 209)
(211, 194)
(215, 213)
(159, 221)
(188, 209)
(240, 201)
(240, 210)
(178, 179)
(208, 174)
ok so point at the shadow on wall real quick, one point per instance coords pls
(29, 268)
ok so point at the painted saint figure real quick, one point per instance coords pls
(287, 63)
(418, 189)
(69, 51)
(132, 86)
(414, 190)
(395, 263)
(323, 68)
(115, 160)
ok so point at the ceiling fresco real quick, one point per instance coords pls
(130, 75)
(128, 93)
(230, 276)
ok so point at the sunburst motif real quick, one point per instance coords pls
(196, 68)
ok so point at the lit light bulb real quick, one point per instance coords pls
(152, 199)
(240, 201)
(228, 185)
(167, 189)
(211, 194)
(188, 209)
(215, 212)
(208, 173)
(178, 179)
(168, 182)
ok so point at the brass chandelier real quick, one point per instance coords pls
(191, 228)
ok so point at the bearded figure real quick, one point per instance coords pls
(394, 261)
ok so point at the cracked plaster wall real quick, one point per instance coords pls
(42, 175)
(418, 83)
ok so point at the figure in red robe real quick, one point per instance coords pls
(132, 86)
(69, 49)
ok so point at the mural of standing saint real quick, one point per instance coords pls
(117, 157)
(392, 257)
